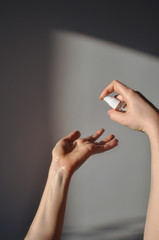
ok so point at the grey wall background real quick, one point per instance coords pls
(113, 186)
(29, 124)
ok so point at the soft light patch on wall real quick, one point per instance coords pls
(114, 185)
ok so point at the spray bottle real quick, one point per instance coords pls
(115, 103)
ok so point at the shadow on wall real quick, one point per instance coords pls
(26, 145)
(28, 131)
(130, 229)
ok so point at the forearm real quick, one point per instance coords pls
(152, 220)
(48, 222)
(68, 155)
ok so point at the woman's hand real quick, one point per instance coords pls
(140, 115)
(71, 152)
(68, 155)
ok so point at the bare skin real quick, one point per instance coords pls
(71, 152)
(67, 156)
(141, 116)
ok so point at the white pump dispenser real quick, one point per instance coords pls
(115, 103)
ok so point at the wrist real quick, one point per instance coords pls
(58, 172)
(152, 128)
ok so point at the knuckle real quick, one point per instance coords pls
(115, 81)
(131, 92)
(91, 147)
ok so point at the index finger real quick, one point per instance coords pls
(116, 86)
(72, 136)
(95, 136)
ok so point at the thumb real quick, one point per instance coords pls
(73, 136)
(117, 116)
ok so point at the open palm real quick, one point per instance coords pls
(71, 152)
